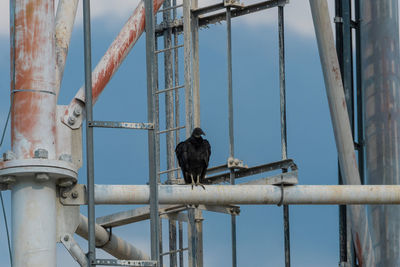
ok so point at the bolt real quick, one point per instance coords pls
(8, 155)
(42, 177)
(64, 195)
(66, 238)
(75, 194)
(65, 182)
(77, 111)
(41, 153)
(71, 120)
(9, 179)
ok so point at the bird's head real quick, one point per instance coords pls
(198, 132)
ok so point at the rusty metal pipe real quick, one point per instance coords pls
(113, 244)
(251, 194)
(110, 62)
(33, 127)
(65, 18)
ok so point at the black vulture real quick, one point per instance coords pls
(193, 155)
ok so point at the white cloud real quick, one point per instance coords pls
(297, 14)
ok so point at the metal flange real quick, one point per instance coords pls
(63, 172)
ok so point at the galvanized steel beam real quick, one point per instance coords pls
(251, 194)
(111, 243)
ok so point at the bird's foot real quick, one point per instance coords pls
(192, 185)
(201, 185)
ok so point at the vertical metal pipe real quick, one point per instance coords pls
(341, 125)
(176, 79)
(343, 48)
(380, 63)
(33, 126)
(173, 258)
(180, 244)
(196, 70)
(282, 83)
(188, 67)
(192, 236)
(150, 65)
(230, 115)
(89, 131)
(169, 96)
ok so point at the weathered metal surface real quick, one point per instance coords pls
(67, 220)
(111, 61)
(68, 141)
(204, 21)
(65, 17)
(251, 194)
(33, 127)
(341, 125)
(380, 66)
(33, 111)
(225, 177)
(73, 196)
(187, 55)
(33, 222)
(286, 178)
(74, 249)
(112, 262)
(114, 245)
(124, 125)
(132, 216)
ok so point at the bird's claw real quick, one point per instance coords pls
(201, 185)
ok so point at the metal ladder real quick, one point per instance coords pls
(171, 94)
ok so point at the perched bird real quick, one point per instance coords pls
(193, 155)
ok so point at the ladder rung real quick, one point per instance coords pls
(113, 262)
(169, 48)
(171, 130)
(173, 251)
(119, 124)
(170, 89)
(170, 170)
(169, 8)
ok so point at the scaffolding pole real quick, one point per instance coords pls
(251, 194)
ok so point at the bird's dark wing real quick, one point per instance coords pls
(205, 157)
(182, 155)
(207, 150)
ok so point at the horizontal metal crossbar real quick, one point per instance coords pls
(173, 251)
(208, 9)
(169, 89)
(169, 8)
(224, 177)
(177, 26)
(134, 215)
(167, 49)
(171, 130)
(113, 262)
(123, 125)
(170, 170)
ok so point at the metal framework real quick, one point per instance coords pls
(49, 156)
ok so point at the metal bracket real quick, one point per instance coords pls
(73, 196)
(74, 249)
(233, 3)
(236, 164)
(338, 19)
(231, 209)
(113, 262)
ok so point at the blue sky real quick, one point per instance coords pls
(121, 155)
